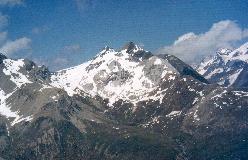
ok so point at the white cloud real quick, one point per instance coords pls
(192, 47)
(185, 37)
(11, 2)
(11, 47)
(245, 33)
(39, 30)
(71, 49)
(3, 20)
(3, 37)
(83, 5)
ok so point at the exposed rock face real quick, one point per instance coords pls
(2, 57)
(183, 68)
(126, 104)
(131, 74)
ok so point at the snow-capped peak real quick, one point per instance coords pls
(224, 51)
(129, 74)
(241, 53)
(225, 67)
(131, 47)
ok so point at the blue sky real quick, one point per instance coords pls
(61, 33)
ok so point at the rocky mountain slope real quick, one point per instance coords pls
(126, 104)
(131, 74)
(227, 67)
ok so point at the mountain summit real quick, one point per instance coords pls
(2, 57)
(126, 104)
(227, 67)
(130, 46)
(131, 74)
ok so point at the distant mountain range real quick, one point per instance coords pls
(126, 104)
(227, 67)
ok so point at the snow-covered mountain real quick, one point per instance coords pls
(16, 75)
(125, 104)
(131, 74)
(227, 67)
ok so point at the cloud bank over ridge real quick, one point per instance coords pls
(191, 47)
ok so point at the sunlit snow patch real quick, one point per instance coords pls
(12, 68)
(6, 111)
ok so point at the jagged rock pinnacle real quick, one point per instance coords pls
(129, 46)
(2, 57)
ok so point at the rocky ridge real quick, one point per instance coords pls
(126, 104)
